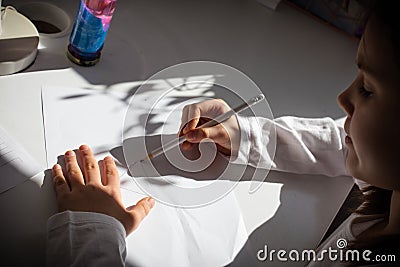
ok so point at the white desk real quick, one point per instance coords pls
(270, 47)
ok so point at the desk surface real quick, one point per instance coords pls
(271, 47)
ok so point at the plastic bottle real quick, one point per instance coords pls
(89, 32)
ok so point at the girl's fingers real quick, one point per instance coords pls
(91, 171)
(60, 184)
(187, 146)
(184, 119)
(216, 133)
(140, 211)
(110, 173)
(193, 118)
(73, 172)
(190, 118)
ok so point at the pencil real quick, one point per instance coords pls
(219, 119)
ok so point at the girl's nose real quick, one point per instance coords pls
(344, 101)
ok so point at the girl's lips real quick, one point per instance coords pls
(348, 140)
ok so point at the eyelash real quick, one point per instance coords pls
(364, 92)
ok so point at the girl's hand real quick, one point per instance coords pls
(95, 188)
(226, 135)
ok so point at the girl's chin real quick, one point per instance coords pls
(352, 165)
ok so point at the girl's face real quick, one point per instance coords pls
(372, 104)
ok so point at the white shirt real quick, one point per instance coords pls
(347, 232)
(304, 146)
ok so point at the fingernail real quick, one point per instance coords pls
(83, 147)
(150, 201)
(108, 158)
(56, 167)
(191, 135)
(70, 153)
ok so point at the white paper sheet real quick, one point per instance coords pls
(16, 165)
(211, 235)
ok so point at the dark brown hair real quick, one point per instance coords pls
(387, 12)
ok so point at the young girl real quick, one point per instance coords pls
(367, 146)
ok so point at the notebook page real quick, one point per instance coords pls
(16, 165)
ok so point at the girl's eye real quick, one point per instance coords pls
(364, 92)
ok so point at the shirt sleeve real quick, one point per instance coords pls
(292, 144)
(85, 239)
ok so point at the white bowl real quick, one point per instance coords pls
(47, 13)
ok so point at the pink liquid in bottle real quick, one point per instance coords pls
(90, 30)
